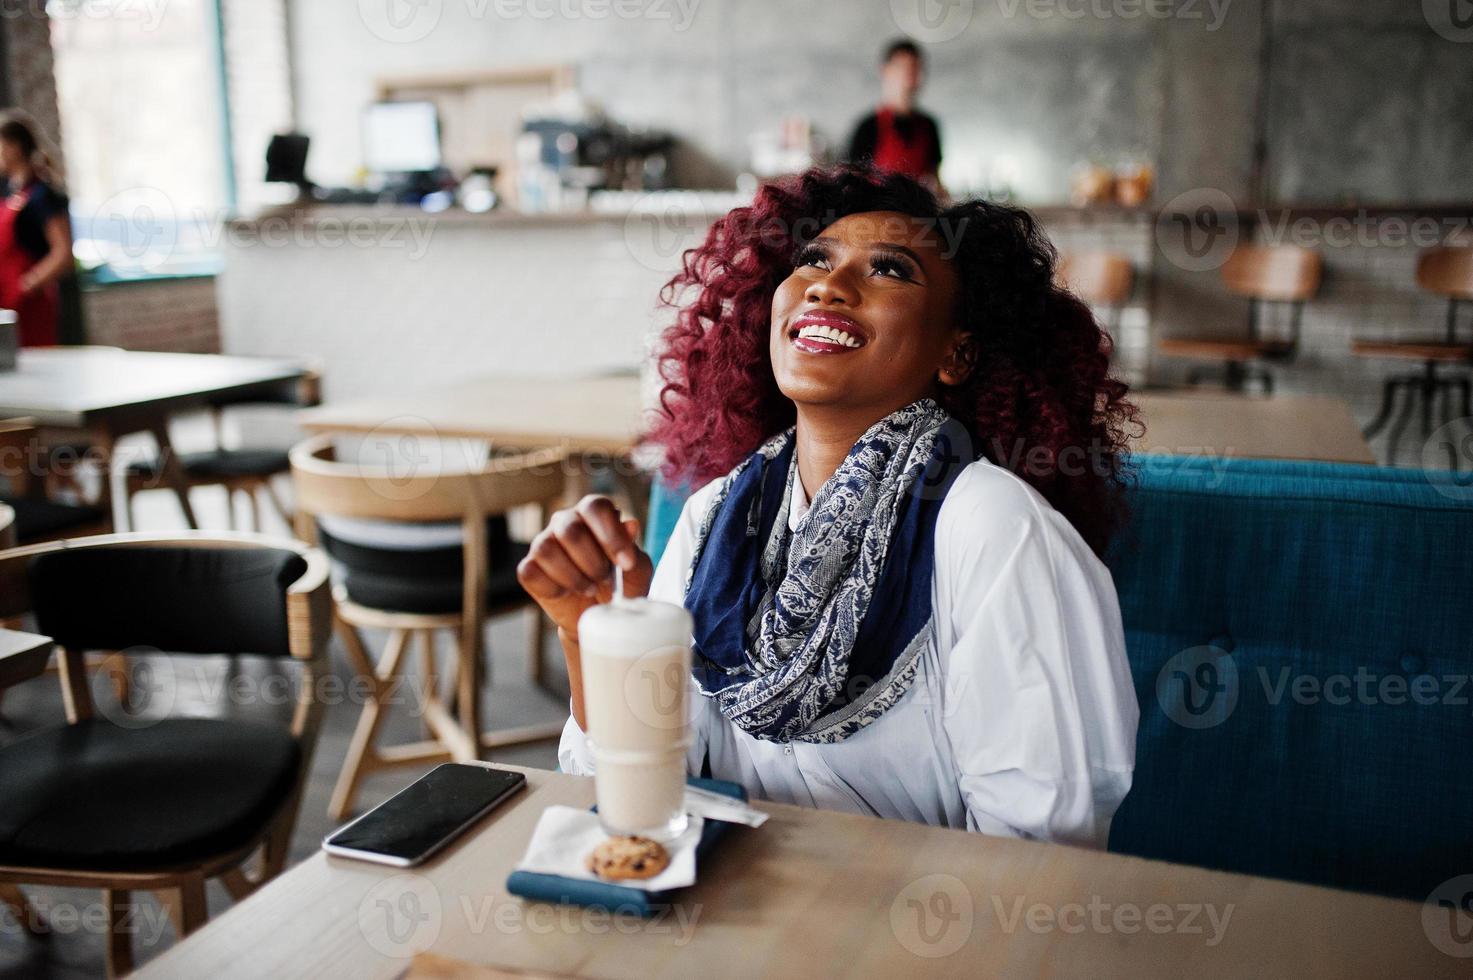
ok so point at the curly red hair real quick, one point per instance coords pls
(1040, 401)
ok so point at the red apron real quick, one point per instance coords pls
(36, 312)
(896, 153)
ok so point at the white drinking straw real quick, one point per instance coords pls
(619, 599)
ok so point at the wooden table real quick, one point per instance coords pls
(582, 415)
(815, 894)
(1281, 427)
(104, 393)
(593, 418)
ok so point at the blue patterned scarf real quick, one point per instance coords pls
(811, 634)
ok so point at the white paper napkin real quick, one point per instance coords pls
(565, 836)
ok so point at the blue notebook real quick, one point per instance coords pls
(540, 887)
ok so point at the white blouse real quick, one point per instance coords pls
(1022, 717)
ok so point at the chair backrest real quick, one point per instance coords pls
(1281, 273)
(182, 593)
(327, 487)
(1447, 272)
(1298, 635)
(1103, 278)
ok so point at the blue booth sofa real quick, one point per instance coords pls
(1301, 637)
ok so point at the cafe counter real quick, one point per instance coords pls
(394, 298)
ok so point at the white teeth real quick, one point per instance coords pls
(832, 334)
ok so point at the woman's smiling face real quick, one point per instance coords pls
(866, 320)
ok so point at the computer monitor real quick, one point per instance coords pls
(286, 158)
(401, 137)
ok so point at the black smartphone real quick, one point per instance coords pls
(412, 825)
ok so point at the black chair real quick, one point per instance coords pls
(244, 469)
(125, 801)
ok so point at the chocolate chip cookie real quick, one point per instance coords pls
(625, 858)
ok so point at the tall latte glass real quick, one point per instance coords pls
(636, 672)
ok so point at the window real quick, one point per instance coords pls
(143, 124)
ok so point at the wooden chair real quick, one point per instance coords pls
(1270, 276)
(37, 517)
(245, 470)
(1102, 279)
(1446, 272)
(183, 799)
(458, 569)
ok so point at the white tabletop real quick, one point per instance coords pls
(72, 386)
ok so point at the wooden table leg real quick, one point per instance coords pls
(172, 471)
(102, 443)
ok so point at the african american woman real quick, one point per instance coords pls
(908, 453)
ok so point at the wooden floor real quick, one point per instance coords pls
(76, 949)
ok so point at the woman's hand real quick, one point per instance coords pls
(570, 565)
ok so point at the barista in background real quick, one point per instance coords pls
(897, 136)
(35, 233)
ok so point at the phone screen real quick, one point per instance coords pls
(419, 820)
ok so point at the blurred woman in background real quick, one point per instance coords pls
(35, 232)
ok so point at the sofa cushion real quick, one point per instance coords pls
(1299, 637)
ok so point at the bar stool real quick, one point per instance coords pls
(1271, 277)
(416, 555)
(1102, 279)
(1443, 272)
